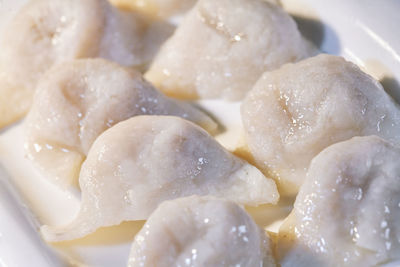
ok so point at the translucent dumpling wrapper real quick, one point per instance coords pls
(139, 163)
(200, 231)
(222, 47)
(47, 32)
(347, 212)
(295, 112)
(76, 101)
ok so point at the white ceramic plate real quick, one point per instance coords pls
(363, 31)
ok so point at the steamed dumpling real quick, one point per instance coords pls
(222, 47)
(76, 101)
(46, 32)
(293, 113)
(347, 212)
(139, 163)
(200, 231)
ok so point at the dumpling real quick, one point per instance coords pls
(222, 47)
(46, 32)
(293, 113)
(76, 101)
(139, 163)
(347, 212)
(200, 231)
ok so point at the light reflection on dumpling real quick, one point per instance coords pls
(139, 163)
(347, 212)
(295, 112)
(76, 101)
(222, 47)
(47, 32)
(200, 231)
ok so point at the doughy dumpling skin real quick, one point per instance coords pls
(46, 32)
(347, 212)
(222, 47)
(139, 163)
(293, 113)
(200, 231)
(76, 101)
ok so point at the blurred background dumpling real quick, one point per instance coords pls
(47, 32)
(222, 47)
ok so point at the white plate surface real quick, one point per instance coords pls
(363, 31)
